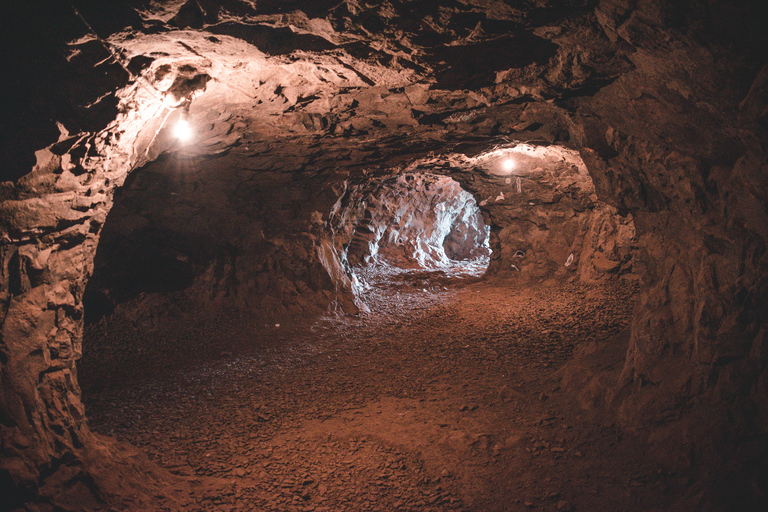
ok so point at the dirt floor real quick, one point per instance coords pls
(446, 397)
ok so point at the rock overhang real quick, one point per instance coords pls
(308, 87)
(353, 90)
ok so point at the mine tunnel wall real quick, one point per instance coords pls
(693, 178)
(51, 221)
(554, 226)
(192, 244)
(409, 220)
(699, 325)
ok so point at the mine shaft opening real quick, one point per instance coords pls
(291, 104)
(172, 266)
(196, 263)
(411, 227)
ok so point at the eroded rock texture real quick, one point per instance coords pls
(664, 101)
(412, 220)
(542, 212)
(678, 159)
(209, 242)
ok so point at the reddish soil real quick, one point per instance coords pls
(446, 397)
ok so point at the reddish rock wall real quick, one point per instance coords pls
(687, 158)
(665, 102)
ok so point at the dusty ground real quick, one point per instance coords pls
(448, 397)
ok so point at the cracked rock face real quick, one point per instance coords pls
(543, 216)
(291, 103)
(411, 220)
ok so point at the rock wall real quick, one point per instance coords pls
(51, 221)
(202, 245)
(410, 221)
(665, 102)
(549, 221)
(688, 160)
(545, 218)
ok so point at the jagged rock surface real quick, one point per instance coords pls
(665, 103)
(410, 221)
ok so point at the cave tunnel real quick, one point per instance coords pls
(410, 256)
(415, 220)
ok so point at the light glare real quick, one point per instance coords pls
(508, 165)
(182, 130)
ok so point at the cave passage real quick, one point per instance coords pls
(441, 391)
(418, 225)
(442, 400)
(416, 256)
(419, 221)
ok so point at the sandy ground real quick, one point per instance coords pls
(446, 397)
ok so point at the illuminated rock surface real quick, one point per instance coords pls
(638, 132)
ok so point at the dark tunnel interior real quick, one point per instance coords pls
(408, 255)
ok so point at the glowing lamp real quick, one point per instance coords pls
(182, 130)
(508, 165)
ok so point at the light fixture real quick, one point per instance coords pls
(508, 165)
(182, 130)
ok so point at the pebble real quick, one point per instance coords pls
(242, 417)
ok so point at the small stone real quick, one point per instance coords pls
(564, 506)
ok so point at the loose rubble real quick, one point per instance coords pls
(438, 400)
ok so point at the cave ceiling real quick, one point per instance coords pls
(656, 109)
(351, 80)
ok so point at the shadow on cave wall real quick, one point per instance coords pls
(138, 252)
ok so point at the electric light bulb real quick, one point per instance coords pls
(508, 165)
(182, 130)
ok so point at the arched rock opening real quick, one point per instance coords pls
(188, 242)
(411, 220)
(543, 216)
(665, 103)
